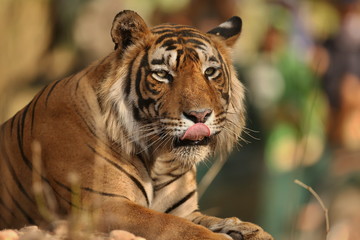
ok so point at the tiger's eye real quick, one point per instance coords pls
(210, 71)
(161, 73)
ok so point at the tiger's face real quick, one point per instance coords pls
(184, 94)
(178, 91)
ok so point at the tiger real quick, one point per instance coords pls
(131, 129)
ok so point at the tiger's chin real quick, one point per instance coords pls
(190, 153)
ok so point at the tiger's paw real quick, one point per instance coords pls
(239, 230)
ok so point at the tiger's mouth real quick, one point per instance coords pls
(196, 135)
(188, 143)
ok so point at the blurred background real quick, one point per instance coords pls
(300, 63)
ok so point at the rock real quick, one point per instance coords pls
(8, 235)
(123, 235)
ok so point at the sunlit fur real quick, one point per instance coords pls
(110, 137)
(143, 136)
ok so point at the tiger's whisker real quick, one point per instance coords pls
(151, 144)
(162, 142)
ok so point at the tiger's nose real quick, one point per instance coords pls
(199, 116)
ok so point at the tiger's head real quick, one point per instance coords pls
(172, 89)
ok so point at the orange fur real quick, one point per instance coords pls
(117, 126)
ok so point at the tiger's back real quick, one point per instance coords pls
(54, 119)
(124, 135)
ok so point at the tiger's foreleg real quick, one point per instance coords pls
(150, 224)
(233, 227)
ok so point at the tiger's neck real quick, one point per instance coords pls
(166, 169)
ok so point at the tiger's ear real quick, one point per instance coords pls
(127, 28)
(229, 30)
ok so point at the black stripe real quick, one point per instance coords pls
(183, 200)
(169, 44)
(143, 64)
(161, 186)
(58, 194)
(225, 95)
(89, 125)
(138, 80)
(14, 176)
(162, 31)
(12, 124)
(89, 190)
(158, 61)
(69, 79)
(104, 193)
(196, 42)
(82, 101)
(180, 52)
(24, 114)
(7, 208)
(65, 187)
(50, 91)
(24, 213)
(213, 59)
(192, 55)
(27, 161)
(174, 27)
(94, 68)
(136, 181)
(33, 110)
(151, 88)
(63, 198)
(20, 133)
(142, 160)
(92, 129)
(183, 27)
(163, 37)
(127, 88)
(172, 47)
(170, 173)
(224, 65)
(173, 31)
(79, 79)
(193, 35)
(164, 25)
(142, 70)
(168, 60)
(226, 75)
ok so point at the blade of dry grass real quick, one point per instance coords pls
(45, 201)
(298, 182)
(210, 175)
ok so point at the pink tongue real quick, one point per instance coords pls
(196, 132)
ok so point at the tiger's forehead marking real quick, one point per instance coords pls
(175, 41)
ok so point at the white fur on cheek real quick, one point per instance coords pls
(122, 119)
